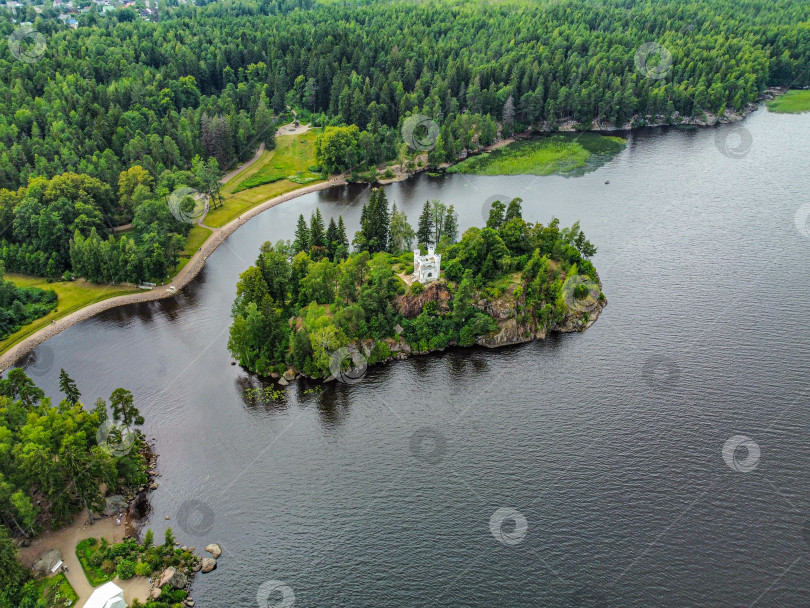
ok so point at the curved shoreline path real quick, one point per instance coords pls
(231, 174)
(180, 280)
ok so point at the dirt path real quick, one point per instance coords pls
(231, 174)
(66, 539)
(180, 280)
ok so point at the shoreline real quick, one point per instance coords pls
(12, 356)
(180, 280)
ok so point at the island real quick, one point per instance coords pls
(311, 308)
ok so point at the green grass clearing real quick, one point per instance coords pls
(792, 102)
(562, 154)
(293, 155)
(196, 237)
(72, 295)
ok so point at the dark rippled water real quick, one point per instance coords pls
(608, 444)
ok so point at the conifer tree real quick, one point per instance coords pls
(342, 249)
(451, 225)
(68, 387)
(424, 232)
(301, 242)
(332, 238)
(317, 235)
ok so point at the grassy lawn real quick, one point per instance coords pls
(792, 102)
(72, 295)
(195, 239)
(565, 154)
(57, 592)
(84, 551)
(291, 159)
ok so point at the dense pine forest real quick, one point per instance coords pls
(120, 93)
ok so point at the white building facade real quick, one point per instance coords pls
(426, 268)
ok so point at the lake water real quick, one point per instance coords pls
(586, 470)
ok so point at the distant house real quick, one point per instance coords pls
(109, 595)
(73, 23)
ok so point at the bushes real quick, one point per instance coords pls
(581, 291)
(143, 569)
(126, 569)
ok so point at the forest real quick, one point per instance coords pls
(120, 94)
(298, 313)
(54, 459)
(21, 305)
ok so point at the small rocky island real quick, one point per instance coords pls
(310, 308)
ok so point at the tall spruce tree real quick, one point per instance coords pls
(342, 249)
(301, 242)
(317, 233)
(332, 238)
(450, 228)
(68, 387)
(373, 233)
(424, 233)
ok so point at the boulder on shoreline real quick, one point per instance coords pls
(173, 577)
(208, 564)
(114, 504)
(214, 549)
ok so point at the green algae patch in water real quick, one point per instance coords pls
(792, 102)
(569, 154)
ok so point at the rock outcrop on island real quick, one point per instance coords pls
(175, 578)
